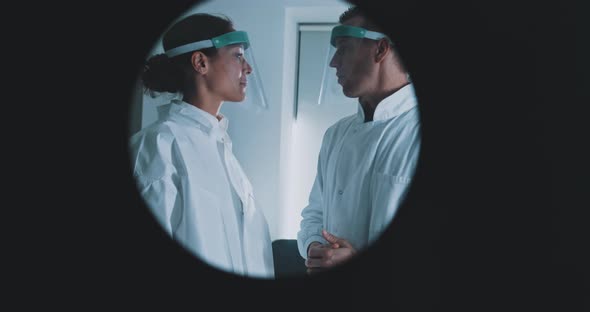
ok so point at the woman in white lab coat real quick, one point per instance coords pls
(183, 163)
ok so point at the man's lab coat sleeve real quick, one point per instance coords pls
(313, 217)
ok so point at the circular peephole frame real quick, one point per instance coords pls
(286, 251)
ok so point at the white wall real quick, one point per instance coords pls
(262, 141)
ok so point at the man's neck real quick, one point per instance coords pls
(369, 102)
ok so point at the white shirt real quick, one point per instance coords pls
(190, 179)
(364, 171)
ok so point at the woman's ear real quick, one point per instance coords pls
(199, 62)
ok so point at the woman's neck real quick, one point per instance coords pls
(205, 103)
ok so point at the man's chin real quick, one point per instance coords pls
(348, 94)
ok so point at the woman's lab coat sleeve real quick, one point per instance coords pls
(164, 200)
(157, 177)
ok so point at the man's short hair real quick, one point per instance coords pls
(353, 12)
(367, 23)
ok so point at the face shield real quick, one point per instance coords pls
(236, 60)
(343, 61)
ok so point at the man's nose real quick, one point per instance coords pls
(333, 61)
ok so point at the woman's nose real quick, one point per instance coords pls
(248, 67)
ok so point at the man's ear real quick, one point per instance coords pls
(200, 62)
(383, 49)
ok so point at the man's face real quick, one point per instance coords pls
(354, 61)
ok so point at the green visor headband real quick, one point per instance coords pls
(356, 32)
(234, 37)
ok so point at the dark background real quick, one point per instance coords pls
(496, 219)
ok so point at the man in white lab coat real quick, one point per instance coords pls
(366, 160)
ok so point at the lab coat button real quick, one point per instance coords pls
(340, 192)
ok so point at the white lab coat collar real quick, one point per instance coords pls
(207, 122)
(394, 105)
